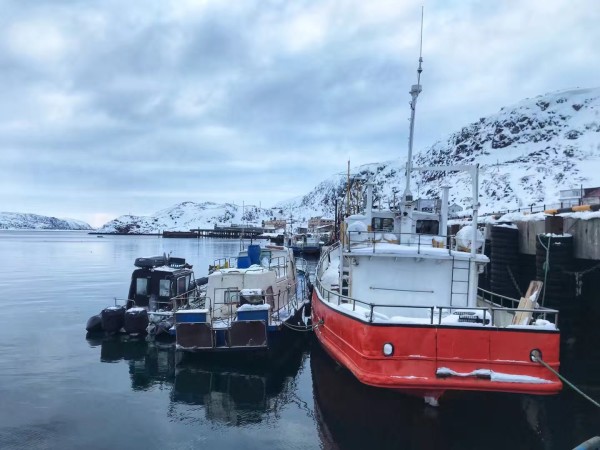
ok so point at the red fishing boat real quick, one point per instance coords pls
(396, 301)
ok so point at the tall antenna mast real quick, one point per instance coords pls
(415, 90)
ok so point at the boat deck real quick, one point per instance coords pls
(486, 314)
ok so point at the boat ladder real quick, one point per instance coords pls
(459, 284)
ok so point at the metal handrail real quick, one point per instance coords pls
(422, 240)
(277, 303)
(492, 295)
(486, 310)
(173, 302)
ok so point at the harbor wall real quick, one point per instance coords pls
(586, 236)
(574, 278)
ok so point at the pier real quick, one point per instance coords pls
(231, 232)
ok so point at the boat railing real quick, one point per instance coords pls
(185, 298)
(434, 314)
(289, 300)
(276, 263)
(279, 264)
(495, 299)
(301, 264)
(170, 304)
(224, 263)
(372, 238)
(230, 301)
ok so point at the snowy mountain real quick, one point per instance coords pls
(18, 221)
(188, 215)
(527, 153)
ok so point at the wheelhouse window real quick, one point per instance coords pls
(382, 223)
(141, 286)
(181, 285)
(428, 227)
(231, 296)
(164, 288)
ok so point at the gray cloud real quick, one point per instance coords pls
(118, 107)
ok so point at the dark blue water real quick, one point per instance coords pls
(59, 390)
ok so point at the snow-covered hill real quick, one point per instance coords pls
(188, 215)
(527, 153)
(18, 221)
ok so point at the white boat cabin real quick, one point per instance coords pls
(272, 282)
(403, 262)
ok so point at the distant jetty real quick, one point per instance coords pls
(231, 232)
(123, 234)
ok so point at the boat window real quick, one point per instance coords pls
(164, 288)
(181, 287)
(382, 223)
(141, 286)
(428, 227)
(231, 296)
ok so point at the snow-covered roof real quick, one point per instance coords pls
(249, 307)
(251, 292)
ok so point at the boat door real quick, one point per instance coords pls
(140, 287)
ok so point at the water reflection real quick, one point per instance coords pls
(200, 390)
(354, 416)
(346, 414)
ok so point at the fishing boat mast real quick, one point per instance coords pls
(414, 92)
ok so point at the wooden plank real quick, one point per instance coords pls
(528, 302)
(534, 290)
(523, 317)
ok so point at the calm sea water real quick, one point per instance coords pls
(59, 390)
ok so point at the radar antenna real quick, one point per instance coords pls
(415, 90)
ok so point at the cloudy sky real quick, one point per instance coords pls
(116, 107)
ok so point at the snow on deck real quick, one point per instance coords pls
(253, 269)
(249, 307)
(412, 250)
(166, 269)
(331, 275)
(251, 292)
(493, 376)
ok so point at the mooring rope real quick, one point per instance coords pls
(546, 266)
(537, 357)
(303, 328)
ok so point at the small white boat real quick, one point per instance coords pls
(251, 302)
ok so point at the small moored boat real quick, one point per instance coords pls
(306, 244)
(251, 302)
(160, 286)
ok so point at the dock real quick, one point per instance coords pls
(231, 232)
